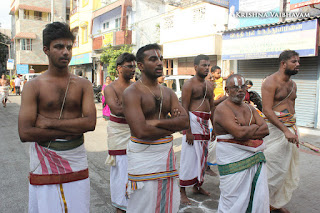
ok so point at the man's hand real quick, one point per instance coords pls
(213, 137)
(175, 113)
(42, 122)
(292, 138)
(189, 138)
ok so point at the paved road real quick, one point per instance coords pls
(14, 157)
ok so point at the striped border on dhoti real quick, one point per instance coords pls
(153, 176)
(117, 119)
(164, 195)
(151, 142)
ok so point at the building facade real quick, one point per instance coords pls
(253, 51)
(29, 18)
(189, 30)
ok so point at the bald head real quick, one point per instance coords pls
(236, 87)
(235, 80)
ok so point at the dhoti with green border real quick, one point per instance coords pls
(243, 177)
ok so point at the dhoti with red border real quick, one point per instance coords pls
(59, 181)
(193, 160)
(152, 176)
(118, 138)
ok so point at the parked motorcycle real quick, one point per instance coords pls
(97, 92)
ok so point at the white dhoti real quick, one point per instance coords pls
(193, 160)
(59, 181)
(243, 178)
(118, 137)
(282, 162)
(152, 174)
(4, 92)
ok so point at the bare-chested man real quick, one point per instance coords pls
(239, 130)
(56, 109)
(197, 99)
(118, 131)
(282, 154)
(4, 90)
(152, 174)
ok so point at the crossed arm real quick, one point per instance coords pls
(112, 100)
(151, 129)
(227, 120)
(34, 127)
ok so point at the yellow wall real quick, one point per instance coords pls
(81, 19)
(96, 4)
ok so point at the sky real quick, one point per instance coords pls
(5, 18)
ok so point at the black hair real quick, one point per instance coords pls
(198, 58)
(55, 31)
(140, 54)
(214, 68)
(248, 82)
(287, 54)
(125, 57)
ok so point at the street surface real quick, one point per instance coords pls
(14, 157)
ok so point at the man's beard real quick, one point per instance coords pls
(291, 72)
(236, 99)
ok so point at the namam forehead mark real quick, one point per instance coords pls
(238, 80)
(153, 54)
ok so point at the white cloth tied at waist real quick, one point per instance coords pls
(43, 161)
(118, 138)
(144, 159)
(236, 188)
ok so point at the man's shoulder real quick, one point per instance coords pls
(132, 89)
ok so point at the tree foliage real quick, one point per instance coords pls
(3, 51)
(110, 55)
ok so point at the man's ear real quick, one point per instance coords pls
(46, 50)
(227, 90)
(140, 66)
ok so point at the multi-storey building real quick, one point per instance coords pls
(29, 18)
(111, 20)
(192, 28)
(81, 24)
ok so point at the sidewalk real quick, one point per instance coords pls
(15, 158)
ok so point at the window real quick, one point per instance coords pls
(168, 22)
(25, 44)
(84, 34)
(26, 14)
(105, 25)
(199, 14)
(118, 21)
(37, 15)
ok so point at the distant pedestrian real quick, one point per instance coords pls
(105, 107)
(17, 84)
(4, 90)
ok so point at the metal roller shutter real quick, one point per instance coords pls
(306, 80)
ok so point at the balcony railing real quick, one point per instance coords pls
(113, 38)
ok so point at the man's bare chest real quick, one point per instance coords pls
(54, 98)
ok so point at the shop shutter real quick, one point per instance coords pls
(306, 80)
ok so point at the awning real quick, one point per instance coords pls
(25, 35)
(34, 8)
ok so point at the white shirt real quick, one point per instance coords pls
(17, 82)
